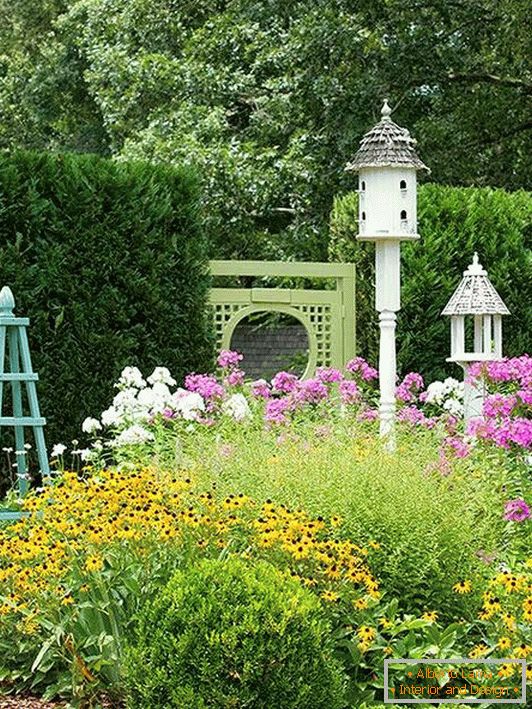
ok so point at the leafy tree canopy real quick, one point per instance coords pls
(269, 98)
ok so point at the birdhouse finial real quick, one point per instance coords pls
(475, 268)
(386, 111)
(7, 302)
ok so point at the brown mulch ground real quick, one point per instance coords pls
(36, 703)
(28, 703)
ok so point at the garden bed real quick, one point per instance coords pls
(281, 496)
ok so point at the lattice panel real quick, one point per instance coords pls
(222, 313)
(327, 313)
(319, 317)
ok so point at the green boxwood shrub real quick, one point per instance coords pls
(454, 222)
(109, 262)
(229, 634)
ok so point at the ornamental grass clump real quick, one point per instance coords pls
(231, 633)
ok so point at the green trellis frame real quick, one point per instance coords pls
(327, 315)
(15, 354)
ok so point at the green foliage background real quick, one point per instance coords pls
(270, 99)
(109, 262)
(454, 222)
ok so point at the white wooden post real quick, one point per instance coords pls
(473, 394)
(387, 303)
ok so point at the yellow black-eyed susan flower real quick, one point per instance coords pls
(462, 587)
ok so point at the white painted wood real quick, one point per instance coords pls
(387, 275)
(457, 336)
(387, 163)
(487, 334)
(387, 376)
(497, 335)
(386, 209)
(473, 395)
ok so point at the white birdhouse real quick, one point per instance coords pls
(475, 309)
(387, 164)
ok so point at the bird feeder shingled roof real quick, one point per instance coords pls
(475, 295)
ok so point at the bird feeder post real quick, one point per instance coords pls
(387, 167)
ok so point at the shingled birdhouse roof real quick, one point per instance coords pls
(387, 145)
(475, 295)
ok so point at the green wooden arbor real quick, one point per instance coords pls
(15, 352)
(327, 315)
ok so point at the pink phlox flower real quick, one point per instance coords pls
(525, 395)
(521, 432)
(276, 410)
(285, 382)
(260, 389)
(358, 365)
(368, 414)
(411, 414)
(503, 432)
(328, 375)
(516, 510)
(458, 446)
(349, 392)
(518, 369)
(234, 378)
(480, 428)
(229, 358)
(416, 417)
(450, 422)
(496, 405)
(310, 391)
(204, 384)
(408, 388)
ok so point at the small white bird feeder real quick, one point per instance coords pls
(476, 311)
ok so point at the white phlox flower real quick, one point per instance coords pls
(237, 407)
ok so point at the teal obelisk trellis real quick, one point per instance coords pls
(16, 370)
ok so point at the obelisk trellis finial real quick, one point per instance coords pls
(7, 302)
(16, 371)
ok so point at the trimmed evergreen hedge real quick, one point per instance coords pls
(110, 263)
(454, 222)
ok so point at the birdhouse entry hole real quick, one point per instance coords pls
(403, 215)
(402, 184)
(363, 216)
(363, 186)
